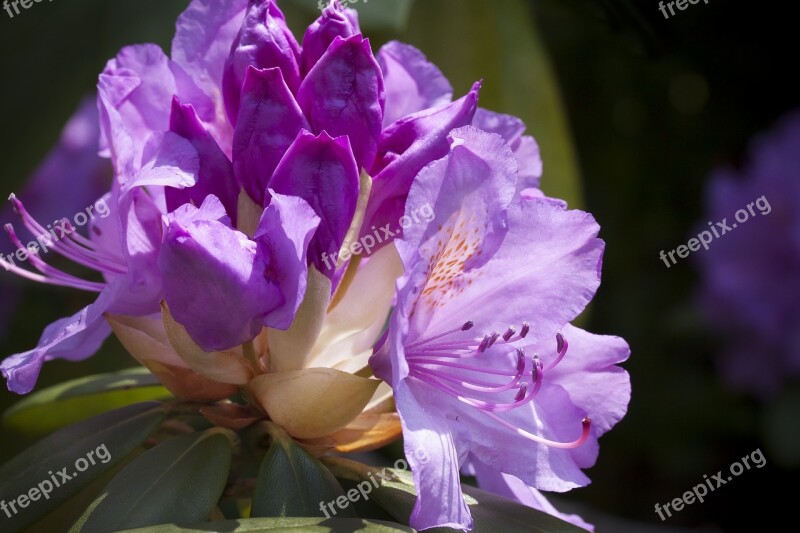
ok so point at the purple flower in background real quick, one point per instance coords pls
(751, 286)
(480, 353)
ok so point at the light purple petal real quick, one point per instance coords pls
(214, 283)
(204, 33)
(140, 226)
(321, 170)
(215, 173)
(434, 460)
(73, 338)
(335, 21)
(283, 236)
(139, 85)
(511, 487)
(405, 148)
(549, 254)
(343, 95)
(264, 41)
(589, 374)
(525, 147)
(269, 121)
(413, 83)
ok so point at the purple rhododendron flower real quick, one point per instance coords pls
(488, 286)
(751, 290)
(244, 162)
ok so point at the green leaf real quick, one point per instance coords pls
(179, 480)
(276, 525)
(76, 400)
(85, 446)
(293, 483)
(489, 511)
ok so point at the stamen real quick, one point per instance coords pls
(493, 339)
(54, 273)
(562, 345)
(525, 329)
(509, 333)
(586, 423)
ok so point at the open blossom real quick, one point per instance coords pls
(480, 353)
(751, 287)
(245, 161)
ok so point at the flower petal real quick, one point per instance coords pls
(138, 84)
(215, 283)
(335, 21)
(525, 147)
(145, 339)
(313, 402)
(269, 121)
(434, 460)
(405, 148)
(413, 84)
(214, 175)
(511, 487)
(283, 236)
(321, 170)
(223, 367)
(264, 41)
(72, 338)
(343, 95)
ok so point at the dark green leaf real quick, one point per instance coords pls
(179, 480)
(79, 399)
(292, 483)
(107, 437)
(276, 525)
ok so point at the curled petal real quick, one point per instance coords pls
(413, 84)
(406, 147)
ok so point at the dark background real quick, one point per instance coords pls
(651, 107)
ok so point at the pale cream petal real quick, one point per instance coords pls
(355, 324)
(313, 402)
(224, 367)
(289, 350)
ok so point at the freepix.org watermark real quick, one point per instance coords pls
(45, 487)
(680, 4)
(63, 228)
(363, 489)
(366, 243)
(717, 230)
(322, 4)
(16, 4)
(700, 491)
